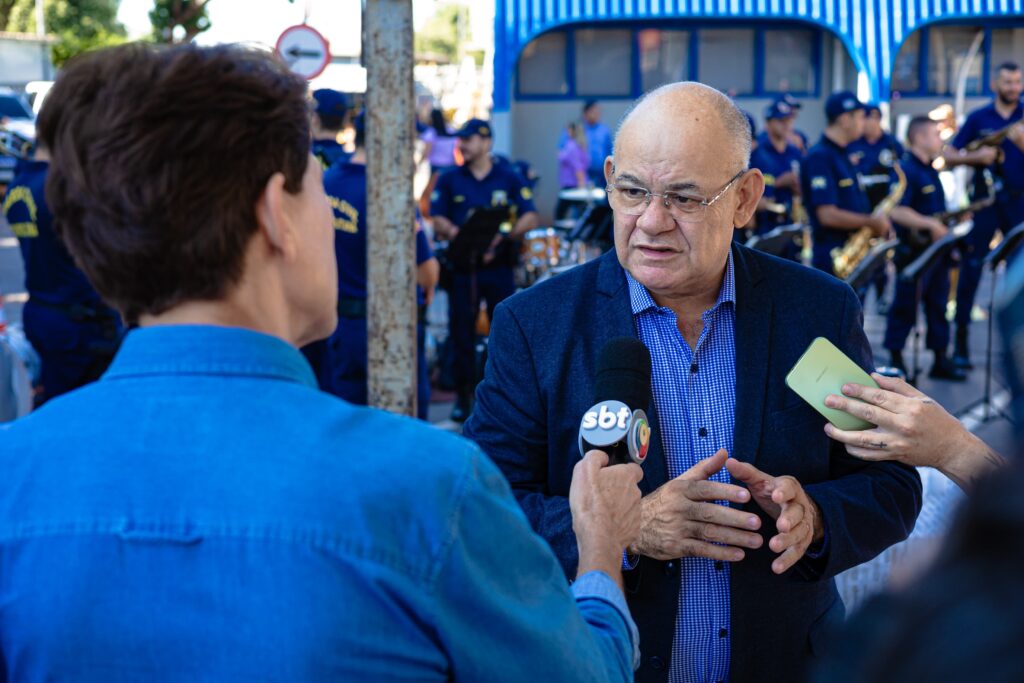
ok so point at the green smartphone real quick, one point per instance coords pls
(823, 370)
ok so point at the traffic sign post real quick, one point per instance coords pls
(305, 51)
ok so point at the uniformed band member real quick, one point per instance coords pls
(1008, 174)
(797, 137)
(72, 330)
(478, 183)
(330, 115)
(874, 154)
(779, 161)
(345, 186)
(917, 227)
(836, 204)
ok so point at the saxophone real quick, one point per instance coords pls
(846, 258)
(994, 139)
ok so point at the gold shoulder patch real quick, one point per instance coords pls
(845, 182)
(819, 182)
(927, 189)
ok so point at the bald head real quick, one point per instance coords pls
(692, 113)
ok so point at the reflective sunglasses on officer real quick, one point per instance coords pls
(687, 208)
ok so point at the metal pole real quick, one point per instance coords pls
(40, 22)
(391, 249)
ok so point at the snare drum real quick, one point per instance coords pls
(541, 250)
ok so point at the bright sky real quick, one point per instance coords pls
(262, 21)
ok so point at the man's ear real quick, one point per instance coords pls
(609, 170)
(750, 190)
(272, 216)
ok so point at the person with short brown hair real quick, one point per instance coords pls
(203, 512)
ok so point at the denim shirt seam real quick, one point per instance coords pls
(459, 496)
(299, 536)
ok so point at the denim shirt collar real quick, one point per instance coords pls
(640, 299)
(208, 350)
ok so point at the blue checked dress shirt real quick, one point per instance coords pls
(695, 397)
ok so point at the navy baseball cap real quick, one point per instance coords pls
(475, 127)
(330, 101)
(839, 103)
(791, 101)
(778, 109)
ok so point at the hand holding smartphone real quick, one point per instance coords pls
(822, 370)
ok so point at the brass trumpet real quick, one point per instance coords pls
(846, 258)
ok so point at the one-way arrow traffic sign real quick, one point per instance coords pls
(304, 50)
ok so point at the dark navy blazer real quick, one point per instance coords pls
(539, 381)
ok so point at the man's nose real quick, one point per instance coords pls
(656, 217)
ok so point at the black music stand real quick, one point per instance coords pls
(1001, 253)
(915, 273)
(864, 274)
(594, 226)
(777, 240)
(1010, 319)
(466, 251)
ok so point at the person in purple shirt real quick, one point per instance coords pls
(572, 164)
(203, 512)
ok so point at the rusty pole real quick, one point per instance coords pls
(391, 248)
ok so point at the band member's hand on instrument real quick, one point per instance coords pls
(788, 181)
(880, 225)
(986, 156)
(682, 519)
(444, 228)
(1016, 136)
(937, 229)
(797, 517)
(912, 429)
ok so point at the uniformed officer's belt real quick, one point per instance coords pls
(356, 309)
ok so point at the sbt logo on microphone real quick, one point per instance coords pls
(605, 418)
(611, 426)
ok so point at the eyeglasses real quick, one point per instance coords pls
(633, 201)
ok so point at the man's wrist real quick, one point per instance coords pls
(817, 525)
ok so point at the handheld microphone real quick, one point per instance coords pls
(617, 423)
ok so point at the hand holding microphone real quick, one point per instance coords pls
(613, 439)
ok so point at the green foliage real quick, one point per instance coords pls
(78, 25)
(444, 33)
(168, 15)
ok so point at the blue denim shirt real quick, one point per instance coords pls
(203, 513)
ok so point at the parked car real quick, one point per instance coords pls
(16, 118)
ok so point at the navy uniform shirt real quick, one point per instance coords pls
(345, 186)
(330, 152)
(829, 178)
(874, 162)
(772, 164)
(924, 192)
(985, 121)
(51, 275)
(458, 192)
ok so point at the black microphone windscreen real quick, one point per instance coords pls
(624, 373)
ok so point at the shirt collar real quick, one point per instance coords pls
(641, 300)
(208, 350)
